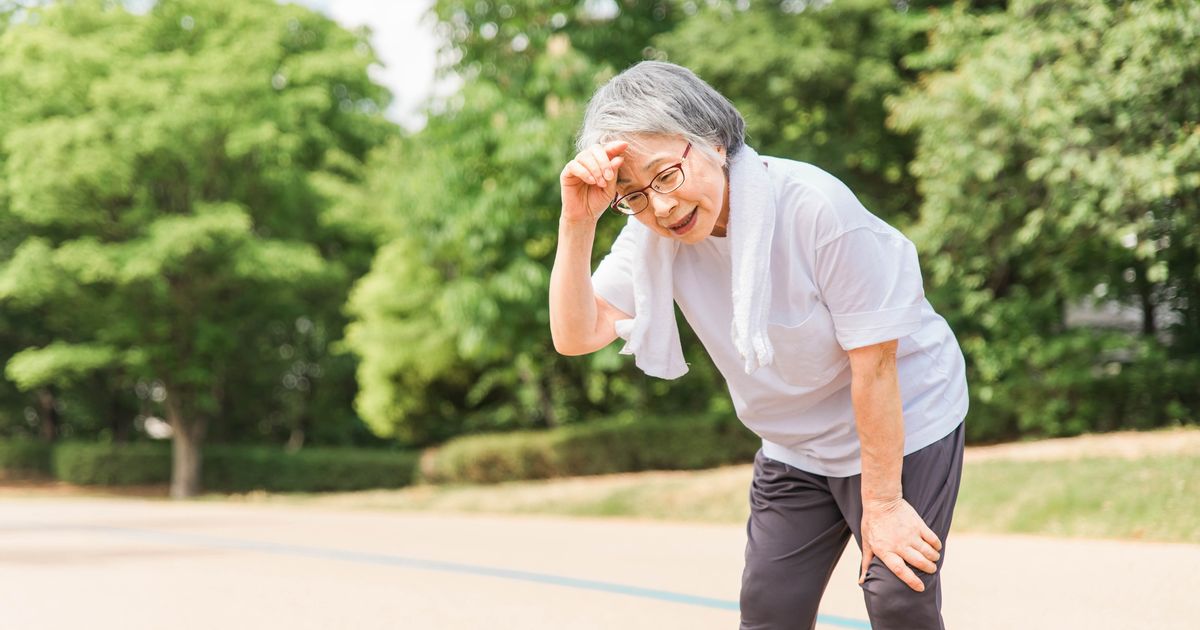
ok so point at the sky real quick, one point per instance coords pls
(404, 41)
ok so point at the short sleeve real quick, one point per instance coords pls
(613, 278)
(870, 280)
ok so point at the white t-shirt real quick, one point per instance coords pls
(841, 278)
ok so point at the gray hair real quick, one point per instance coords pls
(663, 99)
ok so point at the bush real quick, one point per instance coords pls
(608, 446)
(24, 459)
(1081, 381)
(112, 464)
(1050, 156)
(237, 468)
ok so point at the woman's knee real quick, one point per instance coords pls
(893, 605)
(772, 602)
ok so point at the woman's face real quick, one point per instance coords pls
(695, 210)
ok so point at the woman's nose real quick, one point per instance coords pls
(663, 204)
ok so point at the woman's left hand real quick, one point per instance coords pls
(895, 532)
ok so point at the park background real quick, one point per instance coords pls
(212, 236)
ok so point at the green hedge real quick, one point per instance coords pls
(112, 464)
(237, 468)
(609, 446)
(24, 459)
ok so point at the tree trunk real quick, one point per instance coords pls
(186, 443)
(48, 413)
(1145, 291)
(549, 417)
(295, 440)
(1149, 325)
(119, 420)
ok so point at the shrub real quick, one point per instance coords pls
(112, 464)
(237, 468)
(24, 459)
(240, 468)
(607, 446)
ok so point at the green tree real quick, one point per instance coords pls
(501, 40)
(452, 322)
(166, 176)
(811, 77)
(811, 81)
(1058, 154)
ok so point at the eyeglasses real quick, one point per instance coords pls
(668, 180)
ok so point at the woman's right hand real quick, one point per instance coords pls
(589, 182)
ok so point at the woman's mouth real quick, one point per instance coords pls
(684, 226)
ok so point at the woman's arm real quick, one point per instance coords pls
(891, 528)
(580, 321)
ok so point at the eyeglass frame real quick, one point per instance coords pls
(612, 205)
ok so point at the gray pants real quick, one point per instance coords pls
(800, 523)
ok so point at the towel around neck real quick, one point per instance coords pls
(652, 336)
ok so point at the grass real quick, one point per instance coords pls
(1152, 498)
(1148, 498)
(716, 495)
(1140, 486)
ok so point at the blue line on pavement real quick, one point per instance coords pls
(343, 555)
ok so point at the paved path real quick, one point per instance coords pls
(97, 564)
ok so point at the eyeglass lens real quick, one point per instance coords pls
(667, 181)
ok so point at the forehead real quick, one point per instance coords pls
(647, 153)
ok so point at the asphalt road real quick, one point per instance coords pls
(96, 564)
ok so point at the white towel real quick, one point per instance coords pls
(652, 336)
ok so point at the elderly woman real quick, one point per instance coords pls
(811, 307)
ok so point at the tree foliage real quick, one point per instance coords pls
(500, 41)
(452, 323)
(817, 81)
(811, 82)
(188, 194)
(167, 211)
(1059, 161)
(812, 77)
